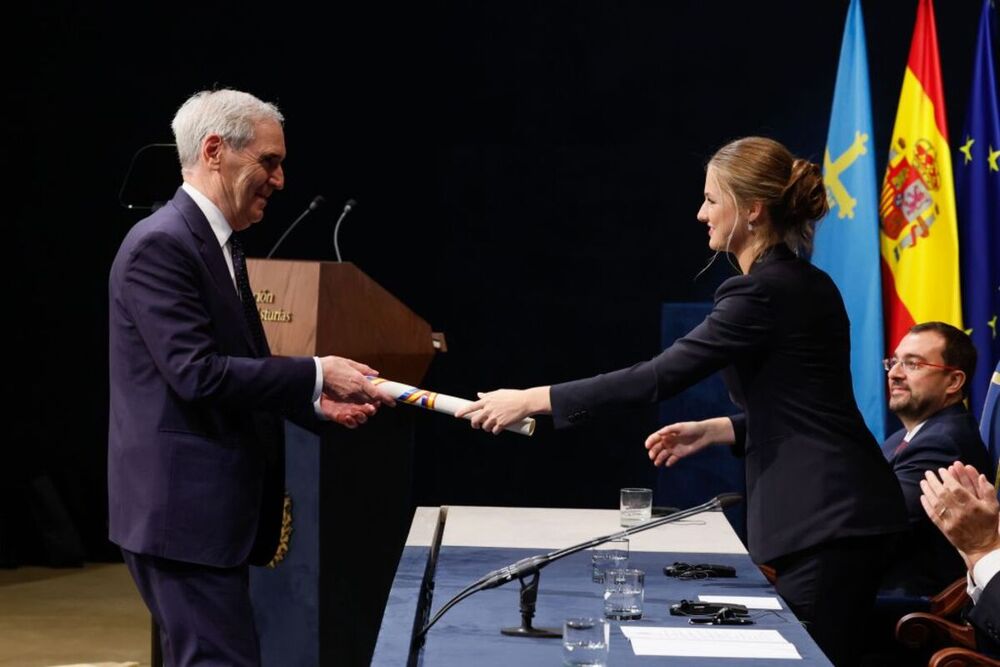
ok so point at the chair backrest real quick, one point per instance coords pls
(989, 423)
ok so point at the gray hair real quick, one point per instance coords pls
(229, 113)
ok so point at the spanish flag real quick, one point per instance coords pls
(918, 231)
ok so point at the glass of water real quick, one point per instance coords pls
(636, 506)
(612, 555)
(623, 594)
(585, 642)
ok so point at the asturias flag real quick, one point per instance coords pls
(977, 180)
(919, 234)
(847, 240)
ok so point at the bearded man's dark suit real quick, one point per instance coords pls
(925, 561)
(195, 444)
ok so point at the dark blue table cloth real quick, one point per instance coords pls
(469, 634)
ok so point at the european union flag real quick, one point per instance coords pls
(847, 240)
(977, 177)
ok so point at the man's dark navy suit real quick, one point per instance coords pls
(192, 401)
(195, 444)
(925, 561)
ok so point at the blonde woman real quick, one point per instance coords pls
(822, 501)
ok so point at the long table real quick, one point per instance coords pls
(450, 547)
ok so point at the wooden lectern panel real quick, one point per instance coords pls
(287, 293)
(319, 308)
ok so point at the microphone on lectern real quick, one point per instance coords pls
(317, 201)
(351, 203)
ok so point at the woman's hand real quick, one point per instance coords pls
(671, 443)
(496, 410)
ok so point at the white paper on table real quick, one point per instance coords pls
(710, 643)
(431, 400)
(749, 601)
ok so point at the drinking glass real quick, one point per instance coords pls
(585, 642)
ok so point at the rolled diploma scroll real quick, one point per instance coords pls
(449, 405)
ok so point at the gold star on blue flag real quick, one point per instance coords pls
(966, 149)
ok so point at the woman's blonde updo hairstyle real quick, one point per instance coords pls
(755, 169)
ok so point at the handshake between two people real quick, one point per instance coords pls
(349, 397)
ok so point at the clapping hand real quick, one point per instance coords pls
(963, 505)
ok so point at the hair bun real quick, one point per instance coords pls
(805, 197)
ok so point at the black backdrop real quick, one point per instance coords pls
(527, 176)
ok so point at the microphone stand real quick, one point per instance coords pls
(146, 173)
(529, 596)
(527, 570)
(317, 201)
(336, 228)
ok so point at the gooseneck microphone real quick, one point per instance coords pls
(530, 566)
(317, 201)
(351, 203)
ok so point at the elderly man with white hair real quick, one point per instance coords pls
(196, 438)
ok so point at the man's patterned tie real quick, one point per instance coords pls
(250, 312)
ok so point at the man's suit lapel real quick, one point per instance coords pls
(958, 408)
(211, 254)
(955, 409)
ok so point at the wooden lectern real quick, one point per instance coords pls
(320, 308)
(348, 502)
